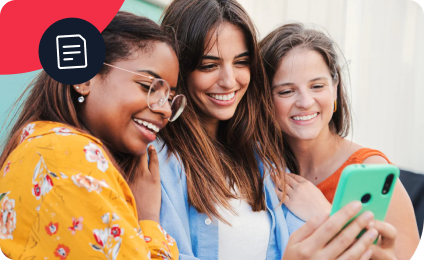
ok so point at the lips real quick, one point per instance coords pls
(151, 127)
(305, 117)
(227, 99)
(147, 129)
(223, 97)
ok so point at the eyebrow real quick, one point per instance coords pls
(154, 74)
(291, 84)
(209, 57)
(283, 85)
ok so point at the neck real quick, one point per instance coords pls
(211, 126)
(314, 154)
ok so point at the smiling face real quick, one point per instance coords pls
(221, 80)
(303, 94)
(116, 109)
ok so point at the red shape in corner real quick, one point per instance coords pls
(23, 23)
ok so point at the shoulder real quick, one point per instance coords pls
(375, 159)
(56, 136)
(58, 149)
(62, 160)
(360, 154)
(54, 131)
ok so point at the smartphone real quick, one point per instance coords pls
(371, 184)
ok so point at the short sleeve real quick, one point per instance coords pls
(69, 202)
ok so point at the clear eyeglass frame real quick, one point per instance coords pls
(158, 95)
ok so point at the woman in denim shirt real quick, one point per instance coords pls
(220, 161)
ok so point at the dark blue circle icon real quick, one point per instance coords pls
(72, 51)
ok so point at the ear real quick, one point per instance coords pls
(83, 88)
(335, 88)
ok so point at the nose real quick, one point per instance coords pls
(304, 100)
(227, 77)
(165, 110)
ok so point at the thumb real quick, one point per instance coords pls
(144, 162)
(308, 229)
(153, 162)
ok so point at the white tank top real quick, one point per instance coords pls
(248, 236)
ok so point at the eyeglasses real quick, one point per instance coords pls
(158, 95)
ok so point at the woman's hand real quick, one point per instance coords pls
(385, 250)
(146, 187)
(303, 198)
(321, 237)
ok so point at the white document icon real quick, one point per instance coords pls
(71, 51)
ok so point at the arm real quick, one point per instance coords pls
(401, 216)
(85, 207)
(75, 222)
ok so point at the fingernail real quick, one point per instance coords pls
(368, 215)
(373, 234)
(356, 205)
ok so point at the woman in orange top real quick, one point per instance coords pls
(313, 112)
(75, 151)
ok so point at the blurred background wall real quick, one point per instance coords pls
(383, 44)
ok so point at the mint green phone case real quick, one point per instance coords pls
(358, 180)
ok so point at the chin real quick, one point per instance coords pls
(138, 150)
(224, 116)
(306, 136)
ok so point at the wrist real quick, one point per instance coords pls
(147, 216)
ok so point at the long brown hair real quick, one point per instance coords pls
(282, 40)
(251, 134)
(48, 100)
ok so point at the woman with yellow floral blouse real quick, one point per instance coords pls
(76, 150)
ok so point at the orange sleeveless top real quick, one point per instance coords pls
(329, 185)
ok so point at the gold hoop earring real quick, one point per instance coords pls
(335, 106)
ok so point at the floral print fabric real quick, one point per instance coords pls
(62, 198)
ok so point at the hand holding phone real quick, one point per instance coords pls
(371, 184)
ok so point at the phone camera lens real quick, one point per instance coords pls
(388, 183)
(366, 198)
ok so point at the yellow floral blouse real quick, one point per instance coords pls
(61, 198)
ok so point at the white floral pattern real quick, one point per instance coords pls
(169, 239)
(109, 239)
(7, 216)
(42, 179)
(93, 153)
(27, 131)
(62, 131)
(89, 183)
(6, 169)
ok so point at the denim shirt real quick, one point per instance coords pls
(195, 233)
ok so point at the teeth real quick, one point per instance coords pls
(223, 97)
(147, 124)
(305, 118)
